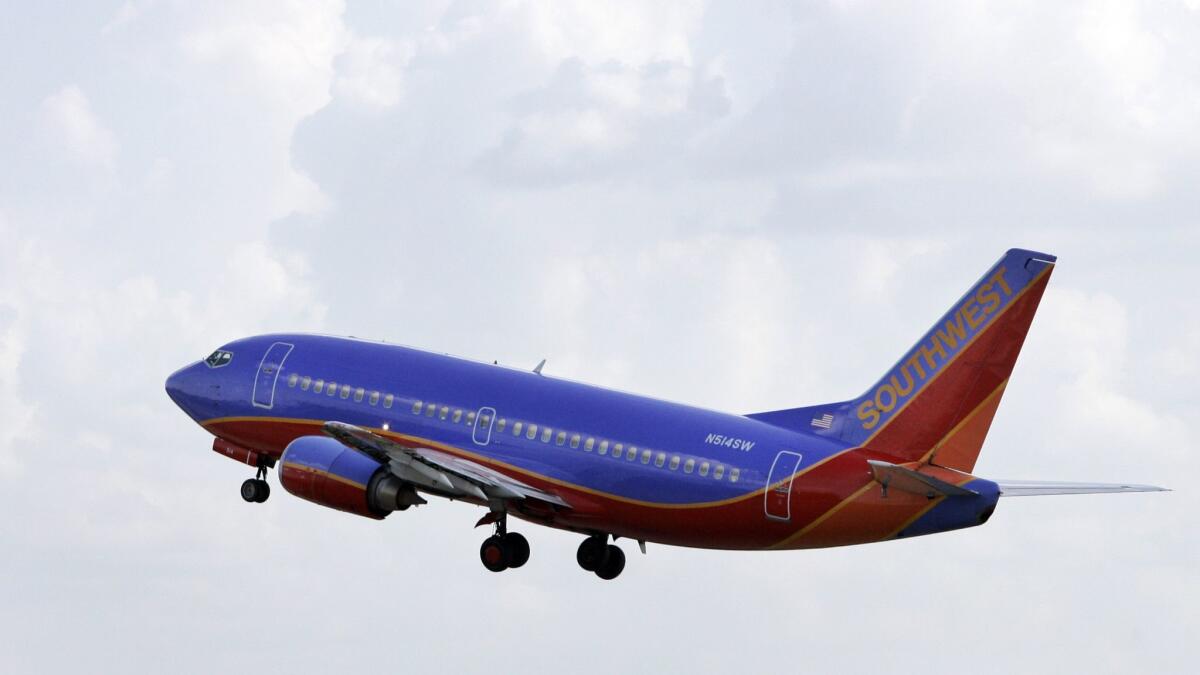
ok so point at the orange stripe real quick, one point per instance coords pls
(987, 399)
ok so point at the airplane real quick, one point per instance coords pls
(371, 428)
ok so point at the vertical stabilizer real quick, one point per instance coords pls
(937, 402)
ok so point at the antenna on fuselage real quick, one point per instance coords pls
(538, 369)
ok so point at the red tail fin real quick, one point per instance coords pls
(958, 371)
(936, 404)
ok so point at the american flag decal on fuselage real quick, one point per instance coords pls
(823, 422)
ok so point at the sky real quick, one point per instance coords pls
(739, 205)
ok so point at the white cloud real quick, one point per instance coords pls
(1084, 350)
(278, 58)
(626, 32)
(71, 125)
(608, 121)
(881, 259)
(17, 417)
(370, 71)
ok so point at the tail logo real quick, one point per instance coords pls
(937, 348)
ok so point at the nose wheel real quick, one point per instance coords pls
(504, 550)
(596, 555)
(256, 490)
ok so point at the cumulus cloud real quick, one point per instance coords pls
(72, 126)
(1085, 351)
(370, 71)
(607, 121)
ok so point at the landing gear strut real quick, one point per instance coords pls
(595, 554)
(256, 490)
(504, 550)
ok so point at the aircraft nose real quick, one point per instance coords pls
(183, 387)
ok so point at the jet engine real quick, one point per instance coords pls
(323, 471)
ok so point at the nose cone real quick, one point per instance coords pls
(186, 388)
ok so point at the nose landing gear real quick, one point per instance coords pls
(257, 490)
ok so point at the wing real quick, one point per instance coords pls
(436, 470)
(1028, 488)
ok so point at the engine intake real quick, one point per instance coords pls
(323, 471)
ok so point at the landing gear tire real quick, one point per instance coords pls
(518, 549)
(494, 554)
(255, 490)
(613, 563)
(592, 553)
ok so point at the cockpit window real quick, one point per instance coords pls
(219, 358)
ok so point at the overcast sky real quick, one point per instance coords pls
(745, 206)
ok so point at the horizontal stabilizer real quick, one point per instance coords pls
(892, 476)
(1029, 488)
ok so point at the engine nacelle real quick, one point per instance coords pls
(325, 472)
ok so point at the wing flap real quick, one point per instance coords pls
(1031, 488)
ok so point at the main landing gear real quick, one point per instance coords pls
(256, 490)
(504, 550)
(595, 554)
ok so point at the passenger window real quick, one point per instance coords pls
(660, 459)
(674, 462)
(734, 475)
(429, 409)
(331, 389)
(575, 441)
(560, 438)
(345, 391)
(689, 465)
(517, 426)
(471, 418)
(374, 400)
(417, 407)
(457, 416)
(618, 450)
(293, 379)
(646, 456)
(305, 383)
(589, 444)
(318, 386)
(387, 401)
(603, 447)
(546, 433)
(719, 471)
(358, 394)
(632, 454)
(704, 468)
(532, 433)
(444, 412)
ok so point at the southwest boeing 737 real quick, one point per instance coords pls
(371, 428)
